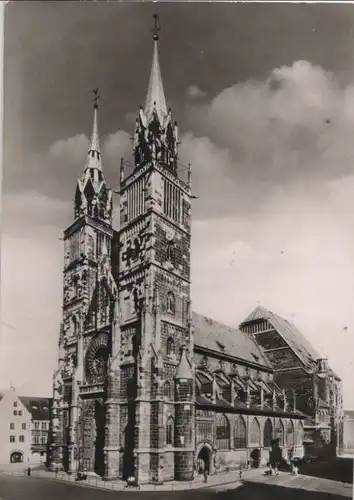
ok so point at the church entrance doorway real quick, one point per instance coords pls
(16, 457)
(204, 460)
(255, 458)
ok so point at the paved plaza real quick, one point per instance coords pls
(254, 484)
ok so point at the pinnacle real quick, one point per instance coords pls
(184, 368)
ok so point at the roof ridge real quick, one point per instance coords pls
(216, 321)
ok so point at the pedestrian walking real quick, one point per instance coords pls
(205, 475)
(29, 471)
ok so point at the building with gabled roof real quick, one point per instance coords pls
(40, 410)
(24, 428)
(297, 365)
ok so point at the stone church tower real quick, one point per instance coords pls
(124, 388)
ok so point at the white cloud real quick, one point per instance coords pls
(194, 92)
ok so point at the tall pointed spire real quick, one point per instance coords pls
(94, 154)
(155, 134)
(155, 99)
(92, 196)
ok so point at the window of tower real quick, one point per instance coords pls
(167, 391)
(102, 209)
(171, 303)
(169, 431)
(90, 246)
(171, 253)
(74, 326)
(171, 201)
(171, 348)
(222, 432)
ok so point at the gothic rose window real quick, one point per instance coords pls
(169, 431)
(171, 303)
(171, 348)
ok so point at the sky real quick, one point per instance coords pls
(264, 98)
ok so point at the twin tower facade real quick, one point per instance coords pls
(124, 387)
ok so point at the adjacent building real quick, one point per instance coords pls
(299, 367)
(24, 428)
(39, 409)
(145, 386)
(347, 434)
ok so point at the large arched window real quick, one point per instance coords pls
(167, 390)
(290, 436)
(240, 433)
(222, 432)
(255, 433)
(169, 431)
(171, 303)
(267, 434)
(170, 347)
(279, 432)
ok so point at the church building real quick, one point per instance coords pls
(145, 386)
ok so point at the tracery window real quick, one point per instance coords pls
(171, 303)
(169, 431)
(204, 430)
(279, 432)
(170, 347)
(240, 433)
(267, 434)
(222, 432)
(167, 391)
(255, 433)
(290, 436)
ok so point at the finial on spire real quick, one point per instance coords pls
(156, 29)
(95, 98)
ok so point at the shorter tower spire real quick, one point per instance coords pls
(93, 197)
(94, 154)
